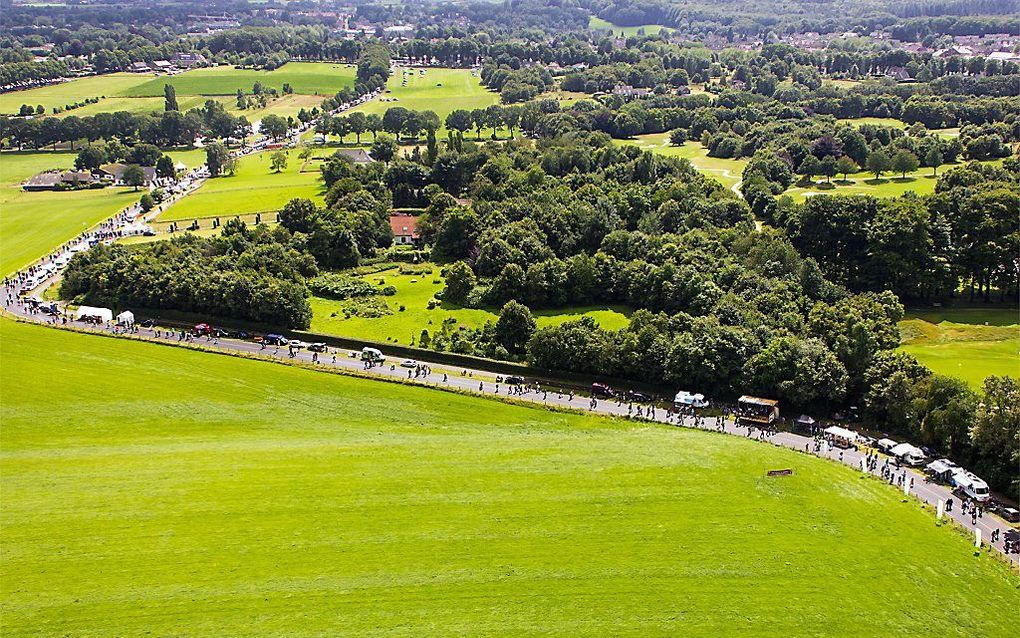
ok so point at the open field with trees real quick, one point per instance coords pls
(439, 90)
(254, 187)
(726, 171)
(402, 316)
(967, 343)
(143, 93)
(232, 496)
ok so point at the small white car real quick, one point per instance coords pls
(408, 363)
(296, 344)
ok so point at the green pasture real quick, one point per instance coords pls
(967, 343)
(414, 293)
(33, 224)
(141, 93)
(726, 171)
(253, 188)
(111, 85)
(439, 90)
(185, 492)
(308, 78)
(596, 23)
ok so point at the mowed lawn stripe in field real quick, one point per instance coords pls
(180, 489)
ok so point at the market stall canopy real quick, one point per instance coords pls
(842, 433)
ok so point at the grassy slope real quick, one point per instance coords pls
(598, 23)
(309, 78)
(459, 90)
(414, 293)
(114, 84)
(968, 343)
(254, 188)
(32, 224)
(217, 496)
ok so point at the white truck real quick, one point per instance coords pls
(970, 486)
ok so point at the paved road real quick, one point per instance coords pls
(485, 383)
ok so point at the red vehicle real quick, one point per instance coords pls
(202, 329)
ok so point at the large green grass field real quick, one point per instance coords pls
(967, 343)
(726, 171)
(253, 188)
(596, 23)
(180, 492)
(308, 78)
(439, 90)
(137, 93)
(33, 224)
(414, 293)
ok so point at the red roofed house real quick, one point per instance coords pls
(405, 229)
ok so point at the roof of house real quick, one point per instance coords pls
(117, 171)
(357, 155)
(404, 225)
(48, 179)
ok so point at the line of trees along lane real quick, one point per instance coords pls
(249, 274)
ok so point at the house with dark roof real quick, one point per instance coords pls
(115, 173)
(53, 180)
(138, 67)
(357, 155)
(187, 59)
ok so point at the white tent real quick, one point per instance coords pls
(126, 317)
(104, 314)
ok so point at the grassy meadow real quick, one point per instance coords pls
(967, 343)
(439, 90)
(143, 92)
(253, 188)
(307, 78)
(726, 171)
(33, 224)
(596, 23)
(414, 291)
(239, 497)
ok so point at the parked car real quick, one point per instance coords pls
(513, 380)
(639, 397)
(296, 344)
(886, 445)
(602, 390)
(318, 346)
(274, 340)
(202, 329)
(408, 363)
(241, 334)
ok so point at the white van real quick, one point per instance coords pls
(886, 445)
(972, 487)
(907, 453)
(372, 355)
